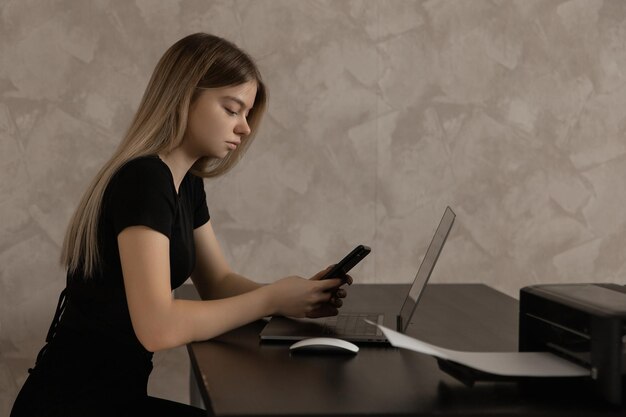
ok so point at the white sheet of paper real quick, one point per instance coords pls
(524, 364)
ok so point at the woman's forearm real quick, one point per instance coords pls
(188, 321)
(232, 284)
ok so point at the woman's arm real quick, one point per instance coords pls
(212, 276)
(161, 322)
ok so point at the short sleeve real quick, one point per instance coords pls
(142, 195)
(201, 213)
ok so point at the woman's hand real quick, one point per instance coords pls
(337, 295)
(298, 297)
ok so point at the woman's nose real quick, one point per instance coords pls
(243, 128)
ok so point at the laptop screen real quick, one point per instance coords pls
(426, 268)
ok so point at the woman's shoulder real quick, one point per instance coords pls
(145, 172)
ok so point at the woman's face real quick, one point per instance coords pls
(217, 120)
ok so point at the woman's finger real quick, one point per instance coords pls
(324, 297)
(329, 284)
(337, 302)
(320, 274)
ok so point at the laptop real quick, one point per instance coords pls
(352, 326)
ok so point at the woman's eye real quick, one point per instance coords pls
(229, 111)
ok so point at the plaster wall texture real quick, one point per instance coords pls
(382, 112)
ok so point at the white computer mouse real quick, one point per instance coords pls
(324, 344)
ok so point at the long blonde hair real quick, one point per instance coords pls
(196, 62)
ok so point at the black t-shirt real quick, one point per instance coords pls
(142, 192)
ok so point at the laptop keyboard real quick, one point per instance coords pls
(349, 324)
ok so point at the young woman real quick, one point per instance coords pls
(142, 228)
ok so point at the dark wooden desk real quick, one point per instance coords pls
(239, 376)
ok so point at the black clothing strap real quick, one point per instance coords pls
(53, 326)
(57, 315)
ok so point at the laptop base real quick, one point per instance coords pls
(288, 329)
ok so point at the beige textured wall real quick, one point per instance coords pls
(382, 113)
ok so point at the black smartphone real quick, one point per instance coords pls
(340, 269)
